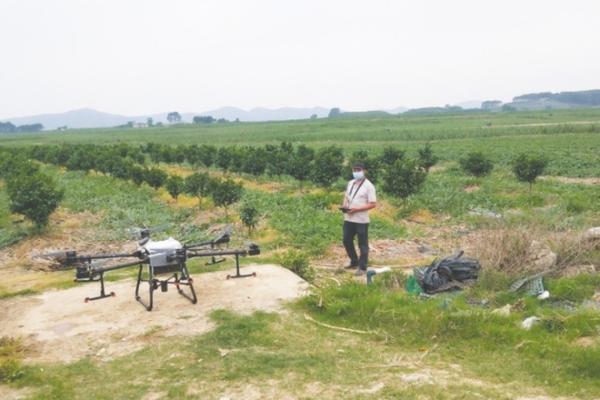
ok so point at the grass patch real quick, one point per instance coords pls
(11, 353)
(494, 346)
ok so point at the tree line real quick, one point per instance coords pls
(399, 174)
(9, 127)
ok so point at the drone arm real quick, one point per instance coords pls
(118, 266)
(72, 257)
(251, 251)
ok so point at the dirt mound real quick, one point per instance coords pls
(60, 326)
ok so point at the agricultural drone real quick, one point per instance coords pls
(166, 257)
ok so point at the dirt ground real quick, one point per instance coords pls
(58, 326)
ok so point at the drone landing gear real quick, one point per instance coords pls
(102, 292)
(175, 279)
(215, 260)
(237, 270)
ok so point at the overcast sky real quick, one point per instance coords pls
(144, 56)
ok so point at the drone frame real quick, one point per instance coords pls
(175, 265)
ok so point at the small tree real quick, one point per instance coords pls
(36, 196)
(137, 174)
(155, 177)
(328, 165)
(426, 157)
(528, 167)
(225, 193)
(476, 164)
(249, 217)
(301, 163)
(198, 184)
(174, 185)
(391, 155)
(403, 178)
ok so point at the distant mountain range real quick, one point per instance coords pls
(89, 118)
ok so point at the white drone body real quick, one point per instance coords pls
(159, 251)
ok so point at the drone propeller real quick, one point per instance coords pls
(53, 254)
(61, 256)
(144, 232)
(224, 237)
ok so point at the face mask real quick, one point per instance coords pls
(358, 175)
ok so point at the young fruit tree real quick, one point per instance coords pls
(225, 193)
(527, 168)
(403, 178)
(476, 164)
(249, 217)
(198, 185)
(426, 157)
(328, 165)
(174, 186)
(36, 196)
(301, 163)
(155, 177)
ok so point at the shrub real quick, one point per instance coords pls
(476, 164)
(249, 217)
(174, 185)
(301, 164)
(527, 168)
(155, 177)
(403, 178)
(328, 165)
(197, 184)
(35, 196)
(297, 262)
(391, 155)
(426, 157)
(225, 193)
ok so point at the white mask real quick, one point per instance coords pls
(358, 174)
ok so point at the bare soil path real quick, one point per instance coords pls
(58, 326)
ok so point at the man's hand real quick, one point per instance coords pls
(365, 208)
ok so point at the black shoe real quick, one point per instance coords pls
(351, 266)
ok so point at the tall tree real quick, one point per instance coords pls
(173, 117)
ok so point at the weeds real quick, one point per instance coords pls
(491, 344)
(298, 262)
(11, 352)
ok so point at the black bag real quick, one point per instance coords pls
(448, 273)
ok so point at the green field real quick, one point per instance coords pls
(571, 138)
(454, 339)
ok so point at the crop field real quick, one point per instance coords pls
(343, 338)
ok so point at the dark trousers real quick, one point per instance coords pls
(352, 229)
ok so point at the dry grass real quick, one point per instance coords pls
(509, 249)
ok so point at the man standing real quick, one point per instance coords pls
(359, 198)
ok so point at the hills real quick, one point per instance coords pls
(547, 101)
(90, 118)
